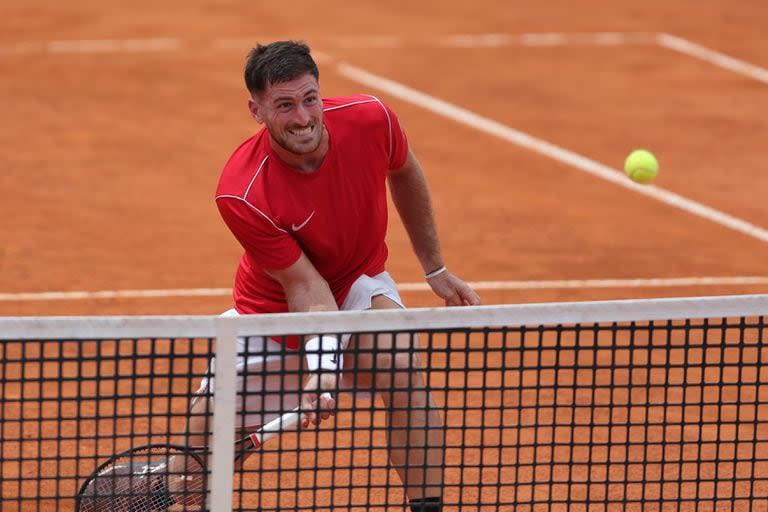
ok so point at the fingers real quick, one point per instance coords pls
(327, 406)
(461, 295)
(455, 291)
(317, 408)
(469, 297)
(454, 300)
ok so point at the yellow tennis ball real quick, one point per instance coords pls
(641, 166)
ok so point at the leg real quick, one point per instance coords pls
(177, 487)
(416, 437)
(272, 387)
(182, 494)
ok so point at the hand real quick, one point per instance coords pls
(317, 403)
(455, 291)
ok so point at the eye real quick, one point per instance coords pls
(311, 100)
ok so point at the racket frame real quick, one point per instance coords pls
(126, 454)
(286, 422)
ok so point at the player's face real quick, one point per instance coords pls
(293, 113)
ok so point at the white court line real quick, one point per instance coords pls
(462, 40)
(114, 45)
(22, 48)
(542, 147)
(115, 294)
(243, 44)
(686, 47)
(545, 39)
(601, 283)
(95, 46)
(492, 40)
(406, 287)
(383, 42)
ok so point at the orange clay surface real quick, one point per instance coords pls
(109, 159)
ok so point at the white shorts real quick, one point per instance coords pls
(269, 373)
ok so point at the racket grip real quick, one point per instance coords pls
(287, 421)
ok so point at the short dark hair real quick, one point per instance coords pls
(277, 62)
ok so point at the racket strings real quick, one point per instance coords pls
(129, 494)
(130, 486)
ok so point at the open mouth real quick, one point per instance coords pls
(301, 132)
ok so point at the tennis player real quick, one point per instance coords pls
(306, 198)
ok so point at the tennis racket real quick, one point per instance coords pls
(160, 477)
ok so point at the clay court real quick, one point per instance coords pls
(117, 122)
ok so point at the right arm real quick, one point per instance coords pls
(306, 290)
(304, 287)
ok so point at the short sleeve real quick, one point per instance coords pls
(268, 245)
(398, 142)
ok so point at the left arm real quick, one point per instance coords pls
(411, 197)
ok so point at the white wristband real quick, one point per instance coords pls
(323, 353)
(435, 273)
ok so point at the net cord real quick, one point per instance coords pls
(106, 327)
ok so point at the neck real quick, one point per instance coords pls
(306, 163)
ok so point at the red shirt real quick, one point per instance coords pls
(337, 214)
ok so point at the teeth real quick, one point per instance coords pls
(302, 131)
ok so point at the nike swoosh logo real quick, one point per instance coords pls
(296, 228)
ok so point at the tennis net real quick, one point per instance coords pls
(601, 406)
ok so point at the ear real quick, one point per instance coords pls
(253, 107)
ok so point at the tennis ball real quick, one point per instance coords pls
(641, 166)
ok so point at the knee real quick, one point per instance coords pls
(397, 371)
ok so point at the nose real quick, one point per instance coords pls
(302, 115)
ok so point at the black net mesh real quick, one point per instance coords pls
(665, 415)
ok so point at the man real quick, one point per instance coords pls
(306, 198)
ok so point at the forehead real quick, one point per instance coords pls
(298, 87)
